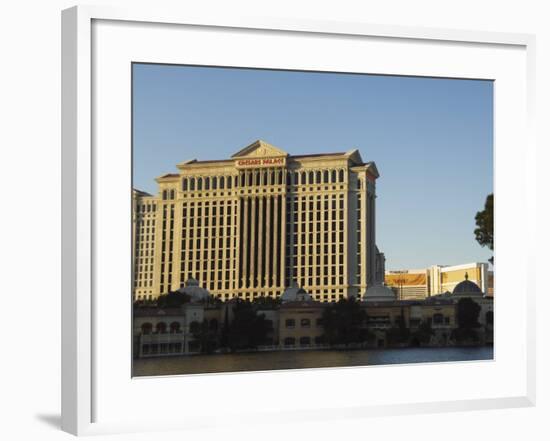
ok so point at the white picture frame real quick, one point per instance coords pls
(87, 378)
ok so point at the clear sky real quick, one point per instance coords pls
(431, 139)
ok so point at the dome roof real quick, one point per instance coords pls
(295, 294)
(379, 293)
(466, 286)
(194, 291)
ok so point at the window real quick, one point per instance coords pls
(437, 319)
(174, 328)
(146, 328)
(290, 323)
(290, 341)
(305, 323)
(305, 341)
(161, 328)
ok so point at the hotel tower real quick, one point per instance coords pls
(259, 222)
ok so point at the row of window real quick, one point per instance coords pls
(146, 208)
(260, 177)
(304, 322)
(303, 341)
(163, 348)
(160, 328)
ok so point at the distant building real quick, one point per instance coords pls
(410, 284)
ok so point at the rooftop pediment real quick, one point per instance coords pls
(259, 149)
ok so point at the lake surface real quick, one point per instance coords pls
(261, 361)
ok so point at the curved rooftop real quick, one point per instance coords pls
(379, 293)
(466, 287)
(295, 294)
(194, 291)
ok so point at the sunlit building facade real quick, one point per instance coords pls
(256, 223)
(412, 284)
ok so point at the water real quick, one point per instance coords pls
(261, 361)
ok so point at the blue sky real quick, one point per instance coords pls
(431, 139)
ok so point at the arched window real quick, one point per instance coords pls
(161, 328)
(280, 177)
(229, 179)
(340, 175)
(317, 177)
(289, 178)
(222, 182)
(243, 177)
(164, 195)
(249, 179)
(325, 176)
(310, 177)
(257, 178)
(174, 328)
(264, 178)
(207, 183)
(303, 178)
(192, 184)
(146, 328)
(172, 194)
(214, 183)
(184, 184)
(438, 319)
(333, 176)
(199, 183)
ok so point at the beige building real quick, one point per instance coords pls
(253, 224)
(413, 284)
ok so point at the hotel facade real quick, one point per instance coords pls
(417, 284)
(259, 222)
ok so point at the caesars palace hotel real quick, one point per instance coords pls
(259, 222)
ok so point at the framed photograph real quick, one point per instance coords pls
(262, 215)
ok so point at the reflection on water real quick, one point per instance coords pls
(261, 361)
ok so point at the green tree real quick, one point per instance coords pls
(205, 334)
(484, 223)
(344, 322)
(248, 329)
(173, 299)
(424, 332)
(400, 333)
(467, 313)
